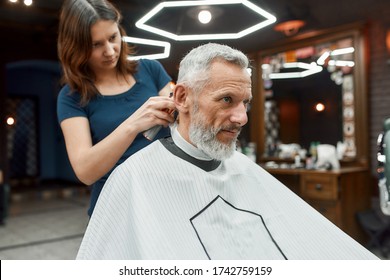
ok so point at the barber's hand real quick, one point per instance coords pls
(156, 110)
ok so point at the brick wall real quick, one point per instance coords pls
(378, 79)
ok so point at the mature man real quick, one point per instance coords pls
(193, 196)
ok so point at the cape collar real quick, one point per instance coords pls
(181, 148)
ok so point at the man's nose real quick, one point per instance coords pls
(239, 114)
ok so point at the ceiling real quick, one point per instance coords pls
(41, 20)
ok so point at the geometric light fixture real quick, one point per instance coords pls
(307, 70)
(26, 2)
(265, 19)
(163, 54)
(341, 63)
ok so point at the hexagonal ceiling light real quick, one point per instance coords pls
(266, 19)
(165, 45)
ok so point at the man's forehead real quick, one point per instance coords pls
(227, 71)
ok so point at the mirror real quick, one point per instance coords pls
(312, 91)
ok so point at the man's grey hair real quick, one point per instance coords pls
(193, 69)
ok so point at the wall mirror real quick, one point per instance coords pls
(312, 90)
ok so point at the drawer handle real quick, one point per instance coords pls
(318, 187)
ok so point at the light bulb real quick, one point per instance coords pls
(10, 121)
(320, 107)
(204, 16)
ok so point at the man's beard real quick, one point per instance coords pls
(205, 137)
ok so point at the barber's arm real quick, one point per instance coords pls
(165, 91)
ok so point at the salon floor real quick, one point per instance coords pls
(44, 225)
(48, 225)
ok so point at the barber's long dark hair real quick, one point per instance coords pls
(75, 44)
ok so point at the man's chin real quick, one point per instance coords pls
(226, 137)
(221, 153)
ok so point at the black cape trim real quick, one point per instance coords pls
(206, 165)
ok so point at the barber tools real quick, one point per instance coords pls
(152, 132)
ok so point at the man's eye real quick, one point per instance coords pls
(227, 99)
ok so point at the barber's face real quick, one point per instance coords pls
(221, 110)
(106, 45)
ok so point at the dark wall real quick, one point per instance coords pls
(21, 43)
(39, 80)
(379, 79)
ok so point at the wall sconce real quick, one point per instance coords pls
(320, 107)
(289, 27)
(10, 121)
(289, 24)
(388, 44)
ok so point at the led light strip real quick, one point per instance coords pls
(141, 23)
(311, 69)
(325, 55)
(165, 45)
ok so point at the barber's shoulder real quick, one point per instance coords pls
(65, 89)
(150, 63)
(66, 93)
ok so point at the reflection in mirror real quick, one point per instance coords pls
(309, 97)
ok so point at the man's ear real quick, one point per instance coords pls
(181, 98)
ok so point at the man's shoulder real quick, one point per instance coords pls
(242, 163)
(242, 157)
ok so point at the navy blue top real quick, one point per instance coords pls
(105, 113)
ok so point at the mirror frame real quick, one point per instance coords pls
(357, 32)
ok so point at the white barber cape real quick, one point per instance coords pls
(168, 201)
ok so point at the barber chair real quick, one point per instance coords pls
(384, 168)
(376, 223)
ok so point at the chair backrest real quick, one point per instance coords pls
(384, 167)
(386, 151)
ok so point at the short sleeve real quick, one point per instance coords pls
(68, 105)
(157, 72)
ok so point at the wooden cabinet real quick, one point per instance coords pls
(319, 186)
(338, 195)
